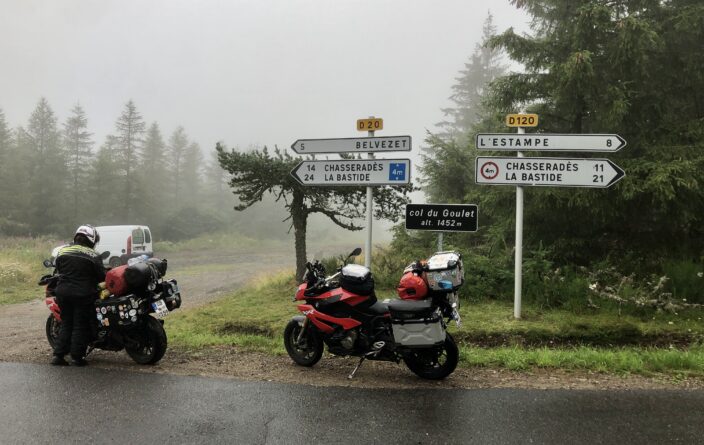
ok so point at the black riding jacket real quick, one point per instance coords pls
(80, 270)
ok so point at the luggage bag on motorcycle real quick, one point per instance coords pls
(115, 281)
(357, 279)
(139, 275)
(118, 311)
(416, 323)
(171, 294)
(445, 271)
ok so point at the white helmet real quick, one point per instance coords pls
(89, 232)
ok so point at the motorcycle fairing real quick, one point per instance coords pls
(319, 319)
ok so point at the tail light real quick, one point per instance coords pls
(129, 245)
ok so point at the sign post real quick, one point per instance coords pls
(518, 258)
(370, 204)
(356, 172)
(534, 171)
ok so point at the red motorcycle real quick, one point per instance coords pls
(342, 312)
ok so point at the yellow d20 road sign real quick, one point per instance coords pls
(370, 124)
(522, 120)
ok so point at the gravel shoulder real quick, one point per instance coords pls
(206, 276)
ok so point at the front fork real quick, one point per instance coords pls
(303, 331)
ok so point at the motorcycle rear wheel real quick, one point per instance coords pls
(52, 330)
(436, 363)
(306, 353)
(151, 345)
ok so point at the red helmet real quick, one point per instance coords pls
(412, 287)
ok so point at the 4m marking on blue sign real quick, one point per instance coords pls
(397, 172)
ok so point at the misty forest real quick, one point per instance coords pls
(630, 67)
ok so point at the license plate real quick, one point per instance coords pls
(160, 310)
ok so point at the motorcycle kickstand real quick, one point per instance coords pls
(354, 371)
(376, 349)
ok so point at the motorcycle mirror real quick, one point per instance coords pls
(356, 252)
(105, 255)
(47, 263)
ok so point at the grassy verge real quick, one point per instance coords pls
(219, 241)
(600, 341)
(21, 267)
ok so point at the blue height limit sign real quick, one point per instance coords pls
(397, 172)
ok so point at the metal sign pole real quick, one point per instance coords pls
(370, 211)
(518, 271)
(440, 240)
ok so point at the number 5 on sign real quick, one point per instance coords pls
(370, 124)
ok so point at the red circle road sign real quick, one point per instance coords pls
(489, 170)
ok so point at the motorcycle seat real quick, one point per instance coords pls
(412, 306)
(379, 308)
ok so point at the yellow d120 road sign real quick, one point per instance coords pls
(372, 124)
(522, 120)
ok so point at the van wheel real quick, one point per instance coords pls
(115, 262)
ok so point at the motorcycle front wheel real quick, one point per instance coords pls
(52, 330)
(436, 363)
(308, 351)
(150, 344)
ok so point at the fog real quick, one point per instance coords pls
(245, 72)
(249, 73)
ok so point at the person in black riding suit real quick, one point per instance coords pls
(80, 270)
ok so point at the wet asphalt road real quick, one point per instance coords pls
(124, 407)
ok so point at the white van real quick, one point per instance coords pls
(123, 243)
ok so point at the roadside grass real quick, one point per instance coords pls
(599, 340)
(218, 241)
(21, 267)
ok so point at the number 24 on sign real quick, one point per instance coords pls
(309, 176)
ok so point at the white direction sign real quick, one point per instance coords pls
(354, 172)
(600, 173)
(550, 142)
(351, 145)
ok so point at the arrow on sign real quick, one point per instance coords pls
(550, 142)
(354, 172)
(350, 145)
(558, 172)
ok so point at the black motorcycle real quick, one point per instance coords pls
(133, 321)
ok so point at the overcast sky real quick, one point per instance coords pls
(245, 72)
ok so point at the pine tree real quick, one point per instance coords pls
(129, 133)
(191, 177)
(9, 181)
(256, 173)
(154, 178)
(483, 67)
(104, 179)
(77, 144)
(628, 67)
(47, 180)
(178, 142)
(217, 192)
